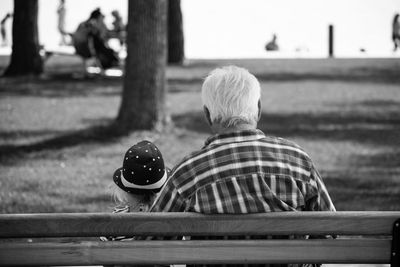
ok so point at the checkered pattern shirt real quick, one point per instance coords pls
(244, 172)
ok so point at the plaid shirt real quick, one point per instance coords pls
(245, 172)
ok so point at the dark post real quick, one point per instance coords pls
(144, 89)
(25, 57)
(176, 53)
(330, 41)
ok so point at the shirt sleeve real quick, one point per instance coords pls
(169, 199)
(318, 199)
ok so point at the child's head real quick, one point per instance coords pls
(141, 176)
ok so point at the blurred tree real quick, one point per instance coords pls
(176, 53)
(143, 97)
(25, 57)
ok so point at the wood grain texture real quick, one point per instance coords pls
(277, 223)
(206, 252)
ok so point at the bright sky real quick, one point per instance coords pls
(241, 28)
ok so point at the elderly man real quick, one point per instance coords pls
(240, 169)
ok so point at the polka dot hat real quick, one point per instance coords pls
(142, 169)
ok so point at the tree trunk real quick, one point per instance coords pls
(176, 52)
(25, 57)
(143, 97)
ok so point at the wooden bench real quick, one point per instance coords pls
(364, 237)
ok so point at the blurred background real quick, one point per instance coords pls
(70, 107)
(240, 29)
(336, 93)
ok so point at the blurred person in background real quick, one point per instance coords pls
(61, 11)
(396, 32)
(3, 30)
(118, 30)
(272, 45)
(90, 40)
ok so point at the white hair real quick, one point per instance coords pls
(119, 196)
(231, 95)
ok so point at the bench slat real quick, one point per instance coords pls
(276, 223)
(197, 252)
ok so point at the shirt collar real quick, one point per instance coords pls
(234, 137)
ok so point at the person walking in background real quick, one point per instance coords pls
(272, 45)
(106, 56)
(3, 29)
(61, 12)
(118, 30)
(240, 169)
(396, 32)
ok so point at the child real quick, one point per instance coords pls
(138, 181)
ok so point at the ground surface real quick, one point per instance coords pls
(58, 155)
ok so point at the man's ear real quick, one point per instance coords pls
(259, 109)
(208, 116)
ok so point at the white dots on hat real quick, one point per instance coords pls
(144, 166)
(137, 157)
(158, 157)
(147, 181)
(126, 158)
(132, 172)
(147, 150)
(149, 169)
(154, 159)
(159, 170)
(130, 151)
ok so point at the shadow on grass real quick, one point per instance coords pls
(362, 128)
(65, 84)
(368, 77)
(106, 133)
(331, 126)
(363, 192)
(383, 163)
(382, 75)
(61, 85)
(381, 104)
(27, 133)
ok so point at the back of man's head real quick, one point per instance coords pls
(231, 95)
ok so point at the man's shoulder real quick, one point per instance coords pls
(190, 158)
(185, 170)
(199, 156)
(283, 143)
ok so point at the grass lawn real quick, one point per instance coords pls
(58, 155)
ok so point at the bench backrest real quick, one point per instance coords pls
(368, 238)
